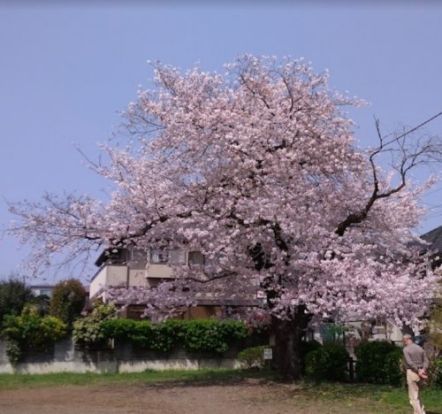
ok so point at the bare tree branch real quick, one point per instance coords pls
(410, 155)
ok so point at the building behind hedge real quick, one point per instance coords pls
(128, 268)
(135, 268)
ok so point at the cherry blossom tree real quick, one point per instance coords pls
(258, 169)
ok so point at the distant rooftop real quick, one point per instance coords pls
(435, 238)
(41, 286)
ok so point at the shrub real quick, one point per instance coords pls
(436, 373)
(167, 335)
(88, 332)
(212, 336)
(141, 335)
(161, 337)
(13, 296)
(119, 329)
(206, 336)
(435, 327)
(40, 304)
(393, 367)
(307, 347)
(328, 362)
(31, 333)
(378, 362)
(252, 357)
(68, 300)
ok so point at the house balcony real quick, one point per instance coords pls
(122, 275)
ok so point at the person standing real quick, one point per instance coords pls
(416, 363)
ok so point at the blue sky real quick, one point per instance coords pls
(66, 72)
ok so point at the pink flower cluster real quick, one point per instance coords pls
(256, 168)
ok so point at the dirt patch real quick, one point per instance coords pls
(168, 399)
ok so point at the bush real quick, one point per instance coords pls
(167, 335)
(309, 346)
(212, 336)
(68, 300)
(378, 362)
(89, 333)
(31, 333)
(143, 334)
(393, 367)
(435, 327)
(119, 329)
(40, 304)
(140, 335)
(329, 363)
(13, 296)
(252, 357)
(436, 373)
(198, 336)
(306, 348)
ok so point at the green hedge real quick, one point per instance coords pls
(161, 337)
(195, 336)
(327, 363)
(88, 332)
(305, 349)
(212, 336)
(252, 357)
(379, 362)
(437, 373)
(31, 333)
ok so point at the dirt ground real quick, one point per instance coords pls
(168, 399)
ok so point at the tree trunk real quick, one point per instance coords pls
(288, 334)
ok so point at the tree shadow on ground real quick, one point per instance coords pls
(210, 378)
(209, 382)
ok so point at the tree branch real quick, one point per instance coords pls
(410, 157)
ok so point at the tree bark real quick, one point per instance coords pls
(288, 334)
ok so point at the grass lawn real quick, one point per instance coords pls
(384, 398)
(251, 387)
(203, 376)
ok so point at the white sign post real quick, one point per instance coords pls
(268, 354)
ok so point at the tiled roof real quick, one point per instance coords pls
(435, 238)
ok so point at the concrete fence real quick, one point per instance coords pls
(66, 358)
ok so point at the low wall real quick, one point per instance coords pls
(65, 358)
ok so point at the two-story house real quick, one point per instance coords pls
(129, 268)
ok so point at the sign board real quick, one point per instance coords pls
(267, 354)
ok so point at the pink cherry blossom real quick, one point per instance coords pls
(258, 169)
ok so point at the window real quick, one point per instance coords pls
(155, 282)
(196, 258)
(159, 256)
(177, 256)
(137, 256)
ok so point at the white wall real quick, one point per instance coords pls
(136, 273)
(137, 277)
(66, 358)
(108, 276)
(159, 271)
(118, 366)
